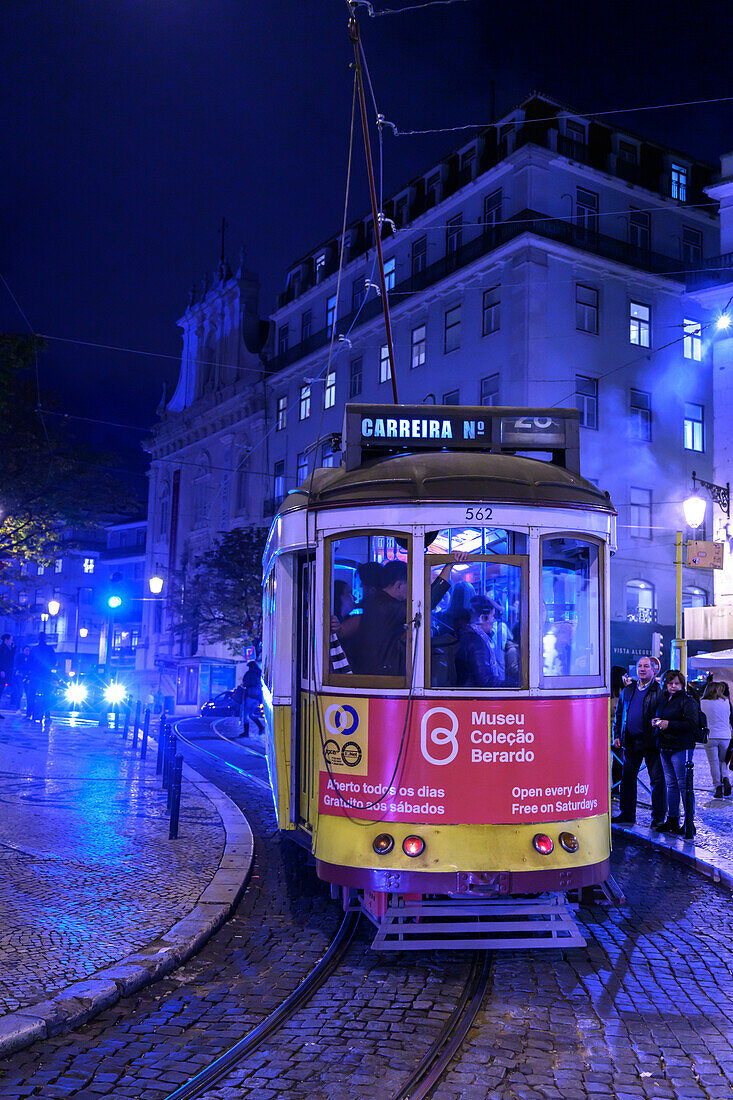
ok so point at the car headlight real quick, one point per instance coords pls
(76, 694)
(114, 693)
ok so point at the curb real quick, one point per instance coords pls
(696, 858)
(78, 1003)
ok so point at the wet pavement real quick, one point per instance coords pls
(87, 872)
(642, 1012)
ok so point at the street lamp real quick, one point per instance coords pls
(155, 583)
(53, 608)
(694, 509)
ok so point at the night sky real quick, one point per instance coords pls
(129, 129)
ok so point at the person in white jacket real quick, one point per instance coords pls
(716, 705)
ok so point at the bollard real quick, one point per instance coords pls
(146, 730)
(103, 722)
(689, 801)
(126, 725)
(136, 724)
(171, 769)
(174, 796)
(168, 761)
(162, 734)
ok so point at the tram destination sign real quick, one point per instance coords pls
(391, 429)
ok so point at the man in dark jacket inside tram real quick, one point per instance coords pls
(633, 731)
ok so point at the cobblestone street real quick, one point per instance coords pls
(642, 1012)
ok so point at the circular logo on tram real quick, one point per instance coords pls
(351, 754)
(341, 718)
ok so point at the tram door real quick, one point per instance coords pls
(302, 741)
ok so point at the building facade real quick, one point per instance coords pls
(545, 262)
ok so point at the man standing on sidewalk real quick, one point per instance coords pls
(632, 730)
(7, 662)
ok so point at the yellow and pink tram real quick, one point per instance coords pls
(435, 661)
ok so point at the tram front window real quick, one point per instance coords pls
(571, 607)
(476, 627)
(369, 606)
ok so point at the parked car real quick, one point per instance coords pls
(221, 706)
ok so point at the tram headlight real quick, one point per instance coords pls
(413, 845)
(569, 842)
(382, 844)
(542, 843)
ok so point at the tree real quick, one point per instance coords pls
(220, 596)
(49, 481)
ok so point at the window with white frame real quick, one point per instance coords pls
(692, 342)
(58, 565)
(304, 403)
(453, 235)
(491, 306)
(301, 469)
(640, 324)
(432, 190)
(282, 413)
(417, 353)
(329, 390)
(330, 313)
(282, 339)
(586, 308)
(41, 569)
(640, 512)
(419, 255)
(492, 209)
(694, 427)
(640, 602)
(468, 160)
(489, 390)
(390, 268)
(88, 565)
(640, 415)
(452, 328)
(679, 182)
(358, 292)
(320, 266)
(306, 324)
(586, 400)
(355, 372)
(640, 229)
(328, 455)
(692, 596)
(586, 209)
(575, 131)
(691, 246)
(278, 481)
(385, 372)
(628, 153)
(452, 397)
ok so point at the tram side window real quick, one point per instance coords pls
(269, 638)
(370, 605)
(571, 609)
(476, 627)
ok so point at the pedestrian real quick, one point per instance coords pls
(676, 723)
(20, 677)
(238, 703)
(718, 712)
(7, 662)
(633, 731)
(252, 684)
(619, 679)
(41, 663)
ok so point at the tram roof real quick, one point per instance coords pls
(443, 477)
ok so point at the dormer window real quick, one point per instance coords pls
(468, 159)
(575, 132)
(320, 266)
(432, 188)
(679, 182)
(628, 153)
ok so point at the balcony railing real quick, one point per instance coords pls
(527, 221)
(715, 269)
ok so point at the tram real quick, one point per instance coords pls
(435, 668)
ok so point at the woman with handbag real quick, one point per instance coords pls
(718, 711)
(676, 724)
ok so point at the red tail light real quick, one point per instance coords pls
(542, 844)
(413, 845)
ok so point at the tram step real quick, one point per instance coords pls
(506, 924)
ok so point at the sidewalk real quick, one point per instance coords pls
(95, 900)
(711, 851)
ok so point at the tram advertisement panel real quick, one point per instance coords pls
(462, 761)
